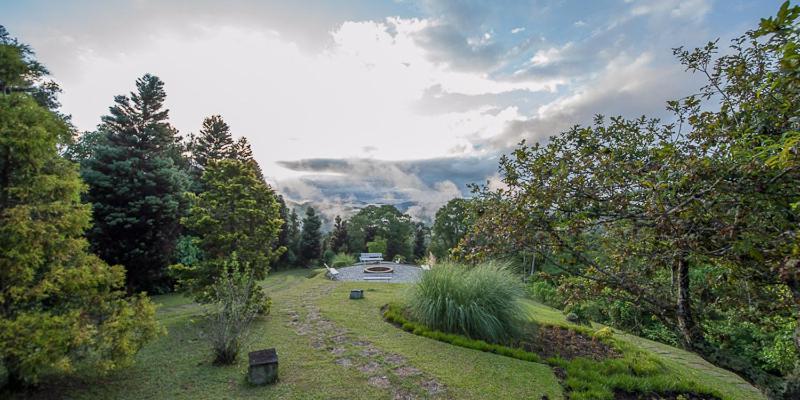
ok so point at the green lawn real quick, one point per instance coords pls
(334, 348)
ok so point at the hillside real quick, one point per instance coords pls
(331, 347)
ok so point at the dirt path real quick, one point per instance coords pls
(383, 370)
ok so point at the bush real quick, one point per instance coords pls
(328, 255)
(480, 302)
(545, 293)
(232, 311)
(343, 260)
(577, 314)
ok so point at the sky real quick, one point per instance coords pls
(401, 102)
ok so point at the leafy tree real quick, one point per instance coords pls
(385, 221)
(338, 241)
(694, 222)
(311, 237)
(237, 213)
(451, 223)
(136, 188)
(377, 245)
(62, 309)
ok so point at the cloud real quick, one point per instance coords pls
(418, 187)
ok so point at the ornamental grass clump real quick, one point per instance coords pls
(481, 302)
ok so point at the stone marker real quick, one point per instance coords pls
(356, 294)
(263, 367)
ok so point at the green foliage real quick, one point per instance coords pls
(687, 222)
(232, 311)
(452, 222)
(421, 234)
(236, 214)
(481, 302)
(394, 313)
(546, 293)
(385, 222)
(311, 237)
(377, 246)
(343, 260)
(136, 186)
(62, 309)
(635, 372)
(214, 142)
(339, 235)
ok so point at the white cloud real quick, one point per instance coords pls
(358, 93)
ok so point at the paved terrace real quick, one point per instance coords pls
(403, 273)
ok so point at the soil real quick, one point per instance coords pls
(620, 395)
(551, 341)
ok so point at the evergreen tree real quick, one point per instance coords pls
(236, 214)
(135, 186)
(310, 239)
(294, 236)
(214, 142)
(338, 241)
(242, 151)
(420, 241)
(61, 307)
(285, 236)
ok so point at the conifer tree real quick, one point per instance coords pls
(136, 188)
(311, 237)
(339, 235)
(214, 142)
(236, 214)
(62, 309)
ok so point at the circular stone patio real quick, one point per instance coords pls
(403, 273)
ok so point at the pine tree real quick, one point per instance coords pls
(310, 239)
(284, 236)
(242, 151)
(214, 142)
(61, 307)
(136, 188)
(339, 236)
(420, 241)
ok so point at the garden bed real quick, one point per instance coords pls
(588, 367)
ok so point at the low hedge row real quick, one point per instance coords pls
(393, 313)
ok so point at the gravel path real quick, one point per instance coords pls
(403, 273)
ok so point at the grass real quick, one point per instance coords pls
(178, 365)
(480, 302)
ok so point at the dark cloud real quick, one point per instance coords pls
(419, 187)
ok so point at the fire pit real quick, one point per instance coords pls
(378, 269)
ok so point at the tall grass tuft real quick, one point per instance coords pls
(481, 302)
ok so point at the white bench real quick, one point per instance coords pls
(332, 272)
(378, 278)
(370, 257)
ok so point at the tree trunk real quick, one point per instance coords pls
(690, 335)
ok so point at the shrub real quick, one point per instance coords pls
(577, 314)
(480, 302)
(343, 260)
(545, 293)
(232, 311)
